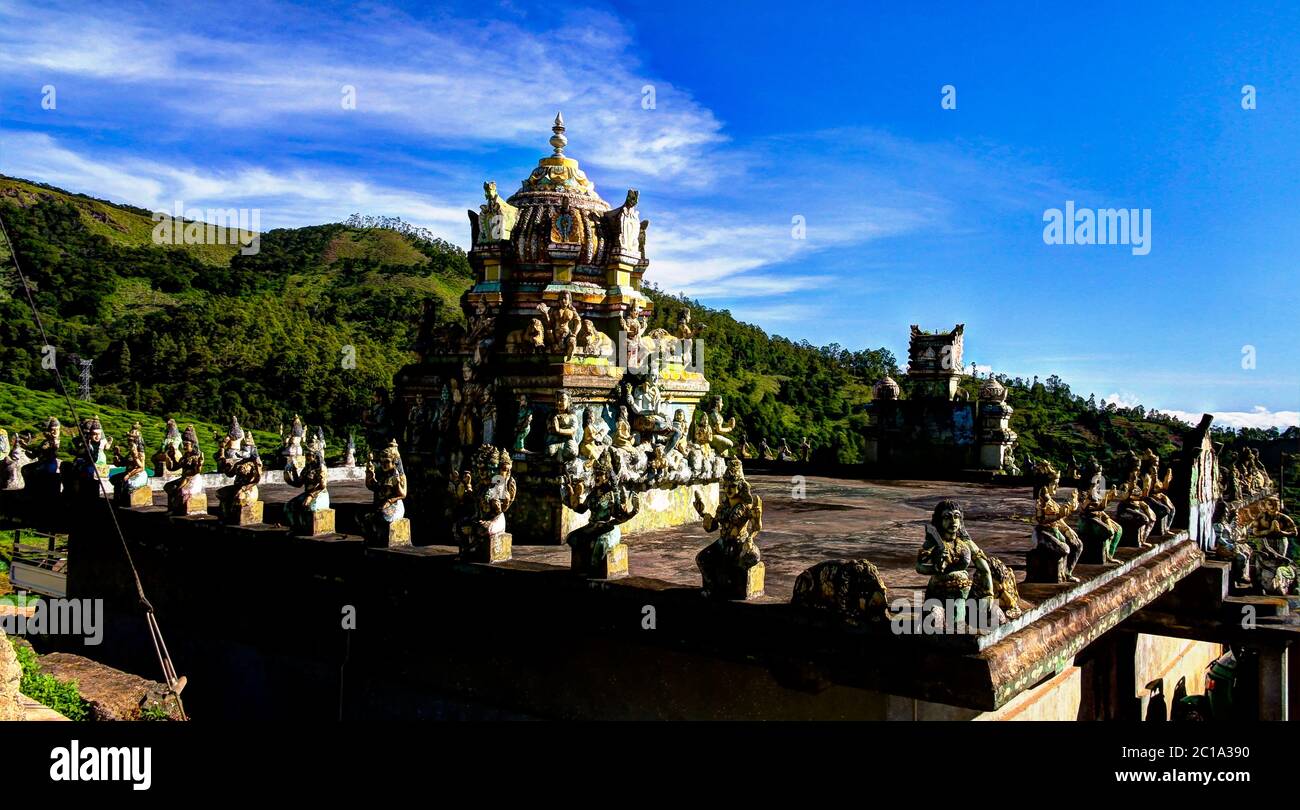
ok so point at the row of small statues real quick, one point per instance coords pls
(1143, 511)
(1242, 476)
(782, 452)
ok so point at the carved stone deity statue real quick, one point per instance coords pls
(597, 547)
(1273, 538)
(11, 465)
(561, 430)
(1156, 495)
(563, 325)
(90, 457)
(805, 450)
(237, 458)
(171, 439)
(1134, 513)
(721, 429)
(496, 217)
(131, 486)
(1099, 532)
(484, 495)
(185, 495)
(386, 524)
(523, 425)
(308, 513)
(948, 556)
(292, 452)
(1230, 544)
(594, 432)
(350, 454)
(731, 567)
(1056, 547)
(629, 224)
(41, 476)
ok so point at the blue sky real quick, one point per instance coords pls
(763, 112)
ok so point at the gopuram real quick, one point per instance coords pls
(938, 427)
(556, 366)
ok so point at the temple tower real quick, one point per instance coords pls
(556, 316)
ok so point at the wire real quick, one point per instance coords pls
(174, 683)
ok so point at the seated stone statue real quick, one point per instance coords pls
(948, 555)
(731, 566)
(1156, 494)
(89, 464)
(386, 524)
(309, 512)
(1272, 535)
(131, 486)
(1229, 545)
(12, 463)
(720, 429)
(171, 443)
(185, 495)
(42, 476)
(593, 435)
(1134, 514)
(850, 591)
(1098, 531)
(485, 497)
(237, 458)
(597, 547)
(560, 442)
(1056, 547)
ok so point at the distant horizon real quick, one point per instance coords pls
(829, 177)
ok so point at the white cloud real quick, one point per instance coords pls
(1258, 417)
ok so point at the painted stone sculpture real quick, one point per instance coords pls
(731, 566)
(1273, 536)
(948, 555)
(720, 429)
(386, 523)
(237, 458)
(849, 591)
(171, 441)
(1229, 544)
(560, 442)
(41, 476)
(1056, 547)
(89, 464)
(308, 513)
(597, 550)
(11, 465)
(131, 486)
(1134, 513)
(1156, 493)
(185, 495)
(1098, 531)
(486, 495)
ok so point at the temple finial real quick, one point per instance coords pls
(558, 140)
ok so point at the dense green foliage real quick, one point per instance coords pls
(309, 325)
(62, 696)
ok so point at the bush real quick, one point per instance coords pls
(63, 697)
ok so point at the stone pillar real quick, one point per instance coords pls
(1274, 697)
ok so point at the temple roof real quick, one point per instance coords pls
(558, 176)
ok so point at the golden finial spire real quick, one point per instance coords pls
(558, 140)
